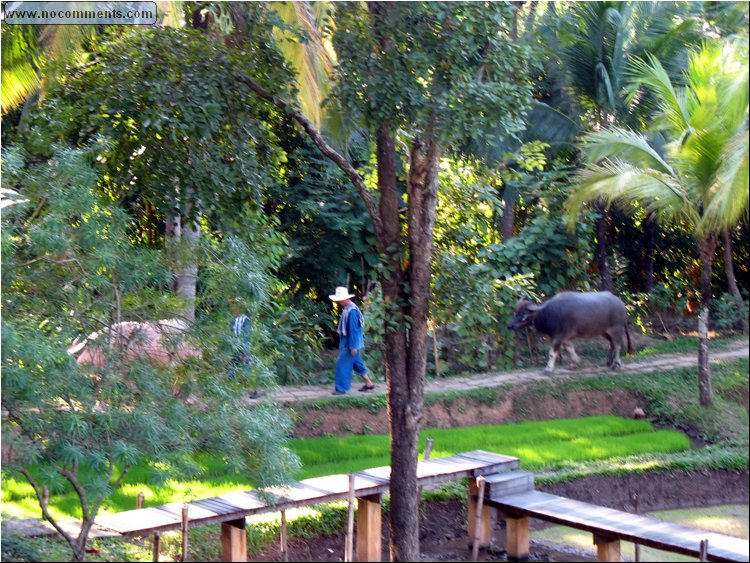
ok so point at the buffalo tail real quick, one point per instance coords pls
(627, 334)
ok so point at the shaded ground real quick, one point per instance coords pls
(444, 531)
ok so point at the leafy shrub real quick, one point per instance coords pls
(729, 312)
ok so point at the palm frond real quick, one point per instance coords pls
(22, 58)
(624, 144)
(672, 103)
(729, 201)
(617, 182)
(308, 54)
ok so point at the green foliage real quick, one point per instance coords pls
(468, 210)
(446, 64)
(374, 311)
(728, 312)
(703, 178)
(173, 106)
(544, 242)
(330, 235)
(69, 267)
(474, 333)
(16, 549)
(663, 310)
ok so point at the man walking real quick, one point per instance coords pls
(241, 343)
(351, 341)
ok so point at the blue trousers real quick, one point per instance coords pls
(344, 365)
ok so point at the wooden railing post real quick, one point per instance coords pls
(233, 540)
(349, 545)
(184, 532)
(156, 547)
(369, 528)
(284, 548)
(703, 550)
(637, 505)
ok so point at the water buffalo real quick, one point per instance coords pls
(160, 342)
(570, 315)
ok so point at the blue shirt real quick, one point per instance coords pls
(350, 328)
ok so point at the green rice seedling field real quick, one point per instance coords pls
(539, 444)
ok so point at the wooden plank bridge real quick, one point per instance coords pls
(508, 492)
(609, 526)
(231, 509)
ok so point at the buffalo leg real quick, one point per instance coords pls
(617, 364)
(554, 352)
(613, 356)
(611, 351)
(575, 361)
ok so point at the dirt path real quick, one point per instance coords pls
(661, 362)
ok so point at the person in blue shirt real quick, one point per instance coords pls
(241, 343)
(351, 342)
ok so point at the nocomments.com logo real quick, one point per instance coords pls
(79, 13)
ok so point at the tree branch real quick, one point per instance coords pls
(43, 503)
(80, 491)
(324, 147)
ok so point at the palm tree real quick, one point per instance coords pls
(598, 41)
(701, 180)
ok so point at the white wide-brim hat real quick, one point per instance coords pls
(341, 294)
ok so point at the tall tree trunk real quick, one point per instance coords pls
(649, 234)
(510, 198)
(407, 401)
(605, 276)
(396, 347)
(182, 237)
(731, 279)
(707, 251)
(405, 340)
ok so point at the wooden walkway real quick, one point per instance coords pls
(495, 484)
(231, 509)
(231, 506)
(609, 526)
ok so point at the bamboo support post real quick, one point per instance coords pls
(184, 532)
(427, 449)
(480, 517)
(349, 546)
(425, 457)
(637, 503)
(156, 547)
(478, 524)
(435, 351)
(284, 550)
